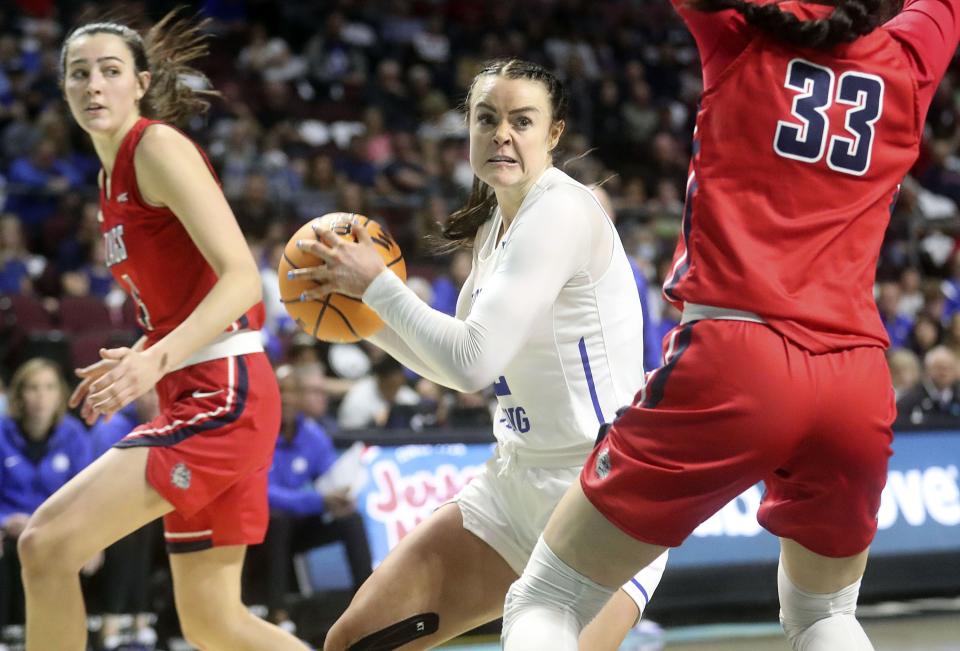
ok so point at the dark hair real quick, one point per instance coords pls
(463, 224)
(850, 20)
(166, 52)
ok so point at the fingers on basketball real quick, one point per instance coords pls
(337, 318)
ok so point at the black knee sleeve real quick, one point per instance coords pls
(399, 634)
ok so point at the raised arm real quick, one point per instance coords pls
(928, 31)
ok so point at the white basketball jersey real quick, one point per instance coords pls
(581, 360)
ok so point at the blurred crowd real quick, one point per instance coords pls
(355, 106)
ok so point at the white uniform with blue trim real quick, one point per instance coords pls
(550, 315)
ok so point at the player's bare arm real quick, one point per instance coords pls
(172, 173)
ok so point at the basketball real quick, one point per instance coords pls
(337, 318)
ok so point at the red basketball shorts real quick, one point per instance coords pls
(735, 404)
(210, 451)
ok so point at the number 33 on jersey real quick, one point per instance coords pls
(806, 135)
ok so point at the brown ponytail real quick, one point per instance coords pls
(849, 21)
(177, 90)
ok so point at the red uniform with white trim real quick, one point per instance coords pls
(798, 155)
(212, 444)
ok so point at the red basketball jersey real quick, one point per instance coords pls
(797, 159)
(150, 253)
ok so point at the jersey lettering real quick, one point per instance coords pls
(143, 314)
(116, 250)
(518, 419)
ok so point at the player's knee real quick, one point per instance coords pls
(549, 595)
(819, 622)
(41, 550)
(337, 638)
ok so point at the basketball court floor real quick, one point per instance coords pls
(926, 625)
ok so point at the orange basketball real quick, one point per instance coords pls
(337, 318)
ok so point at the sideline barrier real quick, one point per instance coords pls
(729, 560)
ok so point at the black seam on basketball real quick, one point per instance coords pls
(345, 319)
(395, 260)
(352, 298)
(326, 304)
(289, 261)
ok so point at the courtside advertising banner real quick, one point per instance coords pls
(919, 511)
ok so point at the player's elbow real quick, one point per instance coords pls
(472, 381)
(247, 287)
(255, 286)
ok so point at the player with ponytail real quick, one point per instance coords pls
(174, 245)
(812, 113)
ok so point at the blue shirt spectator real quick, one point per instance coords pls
(32, 471)
(13, 276)
(898, 329)
(897, 324)
(104, 434)
(36, 184)
(445, 294)
(297, 462)
(652, 335)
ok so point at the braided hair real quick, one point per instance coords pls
(850, 20)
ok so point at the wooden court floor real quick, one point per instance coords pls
(938, 631)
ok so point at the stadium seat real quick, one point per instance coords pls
(84, 313)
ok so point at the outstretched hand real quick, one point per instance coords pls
(348, 267)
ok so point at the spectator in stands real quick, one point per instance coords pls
(314, 401)
(406, 173)
(897, 325)
(369, 401)
(36, 184)
(92, 278)
(926, 333)
(354, 165)
(911, 297)
(951, 286)
(236, 154)
(19, 135)
(935, 402)
(319, 193)
(255, 210)
(270, 57)
(125, 578)
(301, 517)
(446, 287)
(42, 447)
(390, 93)
(18, 266)
(379, 144)
(73, 249)
(335, 53)
(904, 370)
